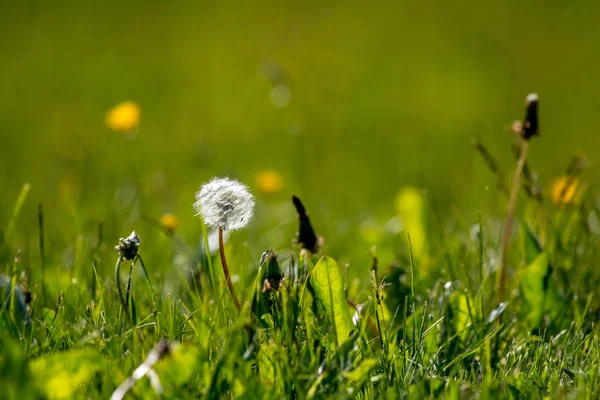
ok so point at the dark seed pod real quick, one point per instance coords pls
(530, 123)
(306, 233)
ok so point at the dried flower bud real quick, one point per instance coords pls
(225, 204)
(530, 123)
(128, 247)
(306, 234)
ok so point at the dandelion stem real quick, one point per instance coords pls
(510, 214)
(157, 326)
(128, 286)
(226, 271)
(118, 283)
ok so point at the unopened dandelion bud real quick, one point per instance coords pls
(530, 123)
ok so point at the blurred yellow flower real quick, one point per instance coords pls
(269, 181)
(124, 117)
(169, 222)
(566, 189)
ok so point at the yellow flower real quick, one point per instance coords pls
(169, 222)
(269, 181)
(124, 117)
(566, 189)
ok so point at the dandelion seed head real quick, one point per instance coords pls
(225, 203)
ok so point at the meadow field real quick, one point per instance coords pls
(274, 200)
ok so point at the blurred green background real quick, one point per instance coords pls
(383, 95)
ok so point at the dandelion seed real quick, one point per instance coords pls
(225, 204)
(269, 181)
(124, 117)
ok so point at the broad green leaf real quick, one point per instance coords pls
(268, 369)
(361, 373)
(327, 282)
(65, 375)
(540, 293)
(533, 288)
(532, 244)
(178, 368)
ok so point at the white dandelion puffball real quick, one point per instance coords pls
(225, 203)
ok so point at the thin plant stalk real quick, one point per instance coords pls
(139, 257)
(42, 252)
(510, 214)
(209, 264)
(118, 283)
(15, 215)
(128, 286)
(226, 271)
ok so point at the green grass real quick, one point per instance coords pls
(427, 326)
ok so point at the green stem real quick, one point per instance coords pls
(118, 283)
(42, 252)
(211, 271)
(128, 286)
(139, 257)
(15, 214)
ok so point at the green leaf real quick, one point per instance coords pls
(269, 373)
(176, 370)
(327, 282)
(361, 373)
(67, 375)
(532, 287)
(133, 311)
(533, 246)
(460, 312)
(540, 293)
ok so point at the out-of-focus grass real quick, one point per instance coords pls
(381, 94)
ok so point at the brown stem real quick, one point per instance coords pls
(226, 271)
(510, 214)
